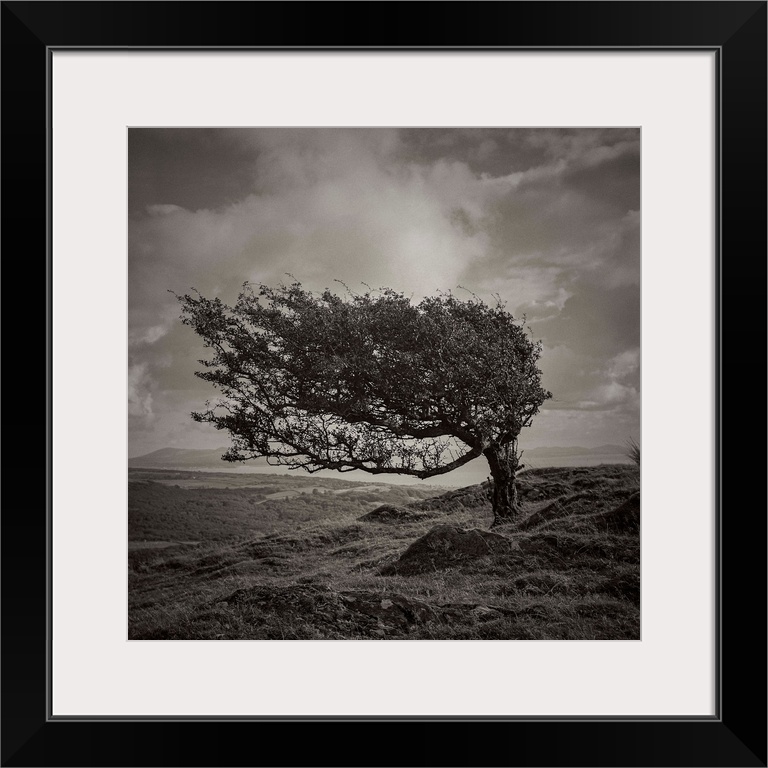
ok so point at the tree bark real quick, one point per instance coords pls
(503, 461)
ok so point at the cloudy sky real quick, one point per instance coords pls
(549, 219)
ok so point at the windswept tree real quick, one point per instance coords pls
(370, 382)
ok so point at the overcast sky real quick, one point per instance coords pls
(549, 219)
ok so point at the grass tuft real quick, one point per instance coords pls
(633, 451)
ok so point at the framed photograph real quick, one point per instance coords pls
(430, 295)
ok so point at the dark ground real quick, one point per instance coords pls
(300, 558)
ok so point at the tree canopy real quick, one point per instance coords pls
(370, 382)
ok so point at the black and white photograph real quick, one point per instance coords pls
(361, 340)
(384, 383)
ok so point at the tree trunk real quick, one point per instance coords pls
(503, 461)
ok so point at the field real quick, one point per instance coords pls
(237, 556)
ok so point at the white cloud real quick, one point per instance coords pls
(148, 335)
(336, 204)
(139, 394)
(333, 212)
(615, 394)
(163, 209)
(624, 364)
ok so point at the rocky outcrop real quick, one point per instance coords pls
(445, 546)
(386, 513)
(349, 613)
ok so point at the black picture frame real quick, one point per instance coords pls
(736, 735)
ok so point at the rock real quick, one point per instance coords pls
(303, 611)
(353, 612)
(461, 613)
(445, 546)
(391, 611)
(386, 513)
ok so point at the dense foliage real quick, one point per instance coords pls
(369, 382)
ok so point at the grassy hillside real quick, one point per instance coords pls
(384, 562)
(179, 506)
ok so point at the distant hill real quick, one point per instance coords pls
(200, 458)
(575, 450)
(169, 458)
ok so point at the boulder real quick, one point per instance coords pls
(447, 545)
(388, 610)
